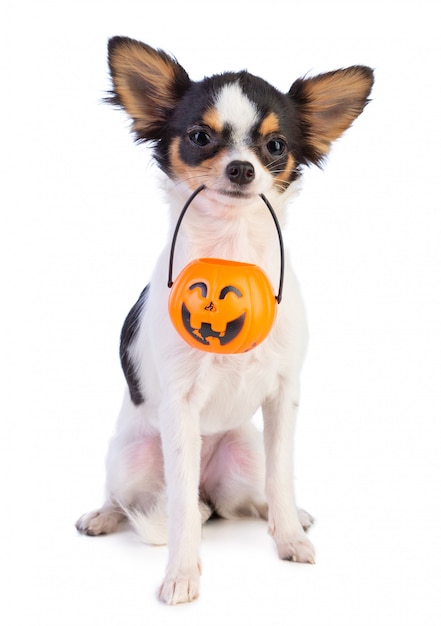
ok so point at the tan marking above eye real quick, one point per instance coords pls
(269, 124)
(211, 118)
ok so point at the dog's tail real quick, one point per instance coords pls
(151, 526)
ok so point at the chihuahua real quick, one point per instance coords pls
(186, 446)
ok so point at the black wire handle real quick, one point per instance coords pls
(276, 222)
(175, 234)
(282, 250)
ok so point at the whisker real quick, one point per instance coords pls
(277, 161)
(197, 177)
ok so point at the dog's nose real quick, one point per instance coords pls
(240, 172)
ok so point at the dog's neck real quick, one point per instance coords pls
(237, 230)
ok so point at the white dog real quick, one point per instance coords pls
(185, 445)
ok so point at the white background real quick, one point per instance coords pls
(81, 225)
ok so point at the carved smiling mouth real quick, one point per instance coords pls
(205, 332)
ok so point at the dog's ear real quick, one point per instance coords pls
(147, 83)
(327, 105)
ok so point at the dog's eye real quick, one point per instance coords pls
(276, 147)
(200, 137)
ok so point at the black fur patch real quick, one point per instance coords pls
(128, 335)
(201, 96)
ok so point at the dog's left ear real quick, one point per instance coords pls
(327, 105)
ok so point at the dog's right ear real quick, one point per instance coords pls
(147, 83)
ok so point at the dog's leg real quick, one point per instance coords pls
(233, 478)
(134, 480)
(101, 522)
(283, 518)
(181, 443)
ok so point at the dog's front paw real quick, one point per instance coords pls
(296, 548)
(180, 587)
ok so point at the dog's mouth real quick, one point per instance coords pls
(206, 335)
(236, 193)
(231, 190)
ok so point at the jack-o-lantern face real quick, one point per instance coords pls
(222, 306)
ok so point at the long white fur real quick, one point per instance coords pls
(194, 430)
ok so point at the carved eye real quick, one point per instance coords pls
(276, 147)
(202, 287)
(200, 137)
(229, 289)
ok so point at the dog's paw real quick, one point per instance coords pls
(305, 519)
(99, 522)
(180, 588)
(297, 548)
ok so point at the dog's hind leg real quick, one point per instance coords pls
(134, 481)
(233, 479)
(102, 521)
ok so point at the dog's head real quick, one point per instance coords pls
(232, 132)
